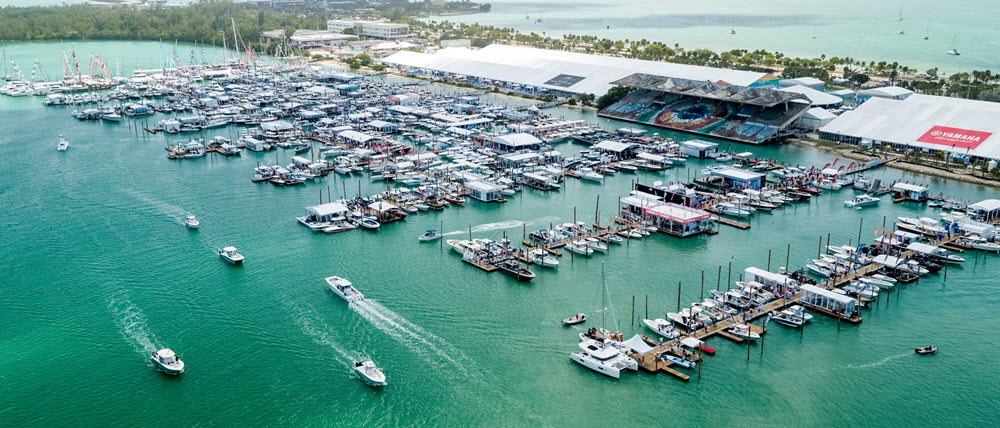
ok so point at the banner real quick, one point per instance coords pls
(954, 137)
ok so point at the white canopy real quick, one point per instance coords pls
(638, 345)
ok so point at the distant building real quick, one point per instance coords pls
(888, 92)
(318, 39)
(370, 29)
(456, 43)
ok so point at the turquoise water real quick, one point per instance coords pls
(99, 270)
(858, 29)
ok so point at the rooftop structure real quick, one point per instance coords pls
(561, 71)
(922, 122)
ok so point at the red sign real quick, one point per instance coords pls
(954, 137)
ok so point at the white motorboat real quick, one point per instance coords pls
(861, 290)
(167, 362)
(369, 223)
(881, 277)
(596, 245)
(732, 210)
(344, 289)
(862, 201)
(541, 258)
(575, 319)
(662, 327)
(430, 235)
(614, 239)
(337, 226)
(588, 174)
(580, 248)
(191, 222)
(979, 243)
(827, 183)
(743, 331)
(230, 255)
(63, 144)
(369, 373)
(876, 282)
(796, 309)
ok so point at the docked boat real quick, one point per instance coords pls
(862, 201)
(191, 222)
(580, 248)
(979, 243)
(588, 174)
(601, 358)
(541, 258)
(369, 373)
(662, 327)
(743, 332)
(369, 222)
(63, 144)
(796, 309)
(344, 289)
(924, 350)
(430, 235)
(788, 319)
(596, 245)
(575, 319)
(679, 361)
(167, 362)
(337, 226)
(513, 269)
(230, 255)
(732, 210)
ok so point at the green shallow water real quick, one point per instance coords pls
(99, 270)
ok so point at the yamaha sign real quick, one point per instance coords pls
(954, 137)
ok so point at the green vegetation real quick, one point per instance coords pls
(613, 95)
(205, 22)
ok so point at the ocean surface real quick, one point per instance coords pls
(858, 29)
(99, 271)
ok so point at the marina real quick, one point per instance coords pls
(430, 320)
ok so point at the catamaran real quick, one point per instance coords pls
(603, 357)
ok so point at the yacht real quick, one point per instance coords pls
(588, 174)
(167, 362)
(191, 222)
(604, 359)
(230, 255)
(369, 373)
(63, 144)
(862, 201)
(662, 327)
(979, 243)
(430, 235)
(743, 331)
(541, 258)
(344, 289)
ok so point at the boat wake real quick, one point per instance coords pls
(319, 331)
(510, 224)
(432, 348)
(169, 210)
(132, 325)
(877, 363)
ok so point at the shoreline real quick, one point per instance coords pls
(899, 163)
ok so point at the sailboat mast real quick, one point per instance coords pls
(604, 294)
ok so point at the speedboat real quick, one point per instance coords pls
(596, 244)
(575, 319)
(580, 248)
(63, 144)
(614, 238)
(589, 174)
(230, 255)
(662, 327)
(732, 210)
(926, 350)
(979, 243)
(743, 332)
(167, 362)
(513, 269)
(344, 289)
(369, 222)
(862, 201)
(604, 359)
(541, 258)
(336, 226)
(788, 319)
(369, 373)
(679, 361)
(796, 309)
(191, 222)
(430, 235)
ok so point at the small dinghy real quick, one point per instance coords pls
(926, 350)
(575, 319)
(706, 349)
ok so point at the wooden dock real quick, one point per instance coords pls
(482, 265)
(727, 221)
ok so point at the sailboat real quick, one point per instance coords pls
(814, 32)
(600, 355)
(900, 12)
(954, 50)
(927, 32)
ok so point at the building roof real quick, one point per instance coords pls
(737, 174)
(708, 89)
(926, 121)
(986, 205)
(804, 81)
(327, 209)
(516, 140)
(910, 187)
(677, 213)
(613, 146)
(699, 144)
(820, 113)
(886, 91)
(571, 72)
(818, 98)
(483, 186)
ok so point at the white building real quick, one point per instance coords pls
(370, 29)
(484, 191)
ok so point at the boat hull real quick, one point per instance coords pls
(604, 370)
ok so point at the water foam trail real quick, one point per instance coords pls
(172, 211)
(510, 224)
(132, 324)
(878, 363)
(432, 348)
(311, 325)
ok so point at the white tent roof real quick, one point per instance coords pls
(381, 206)
(818, 98)
(613, 146)
(327, 209)
(986, 205)
(908, 121)
(638, 345)
(517, 140)
(538, 67)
